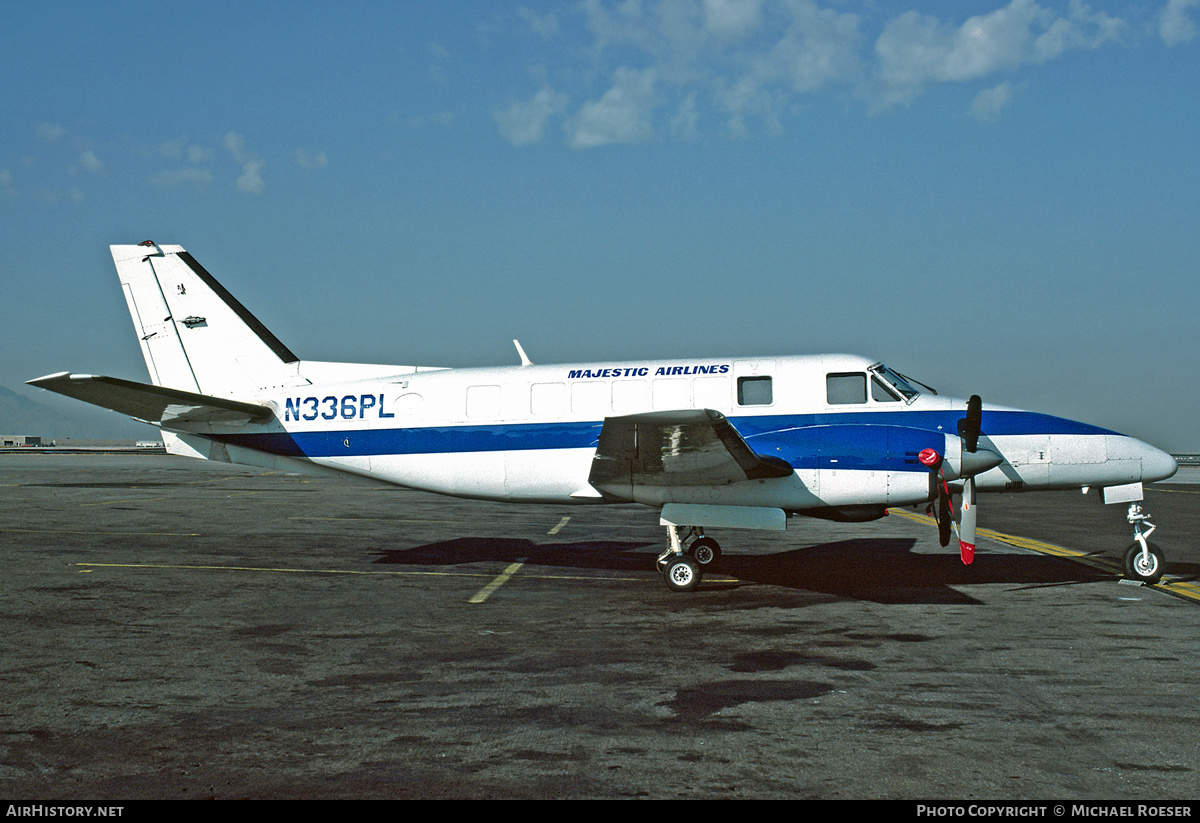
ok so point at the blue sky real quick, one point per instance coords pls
(996, 198)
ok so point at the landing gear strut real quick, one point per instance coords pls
(683, 561)
(1144, 560)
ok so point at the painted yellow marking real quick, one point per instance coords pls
(502, 578)
(373, 519)
(157, 496)
(559, 527)
(197, 567)
(375, 573)
(1179, 588)
(93, 531)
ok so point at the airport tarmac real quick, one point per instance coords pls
(181, 629)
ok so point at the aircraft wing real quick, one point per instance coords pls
(693, 447)
(153, 404)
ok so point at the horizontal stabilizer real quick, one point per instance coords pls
(153, 404)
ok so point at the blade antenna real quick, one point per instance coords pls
(525, 361)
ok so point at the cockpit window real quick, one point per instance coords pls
(881, 393)
(894, 382)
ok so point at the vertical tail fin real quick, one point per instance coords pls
(194, 334)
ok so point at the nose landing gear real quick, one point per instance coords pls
(1144, 560)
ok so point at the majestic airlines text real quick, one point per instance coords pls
(644, 371)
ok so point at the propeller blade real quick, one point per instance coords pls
(945, 515)
(968, 427)
(966, 525)
(939, 495)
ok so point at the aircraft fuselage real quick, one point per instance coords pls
(529, 433)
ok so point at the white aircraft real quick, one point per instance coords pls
(718, 442)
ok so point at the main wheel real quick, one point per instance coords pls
(705, 551)
(682, 574)
(1150, 569)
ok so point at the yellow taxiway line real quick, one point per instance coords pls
(1179, 588)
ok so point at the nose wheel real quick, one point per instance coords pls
(1144, 560)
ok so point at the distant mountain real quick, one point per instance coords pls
(58, 417)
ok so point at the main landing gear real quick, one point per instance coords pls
(690, 552)
(1144, 560)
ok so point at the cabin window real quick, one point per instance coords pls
(846, 387)
(754, 391)
(483, 401)
(589, 398)
(547, 398)
(711, 392)
(630, 395)
(671, 393)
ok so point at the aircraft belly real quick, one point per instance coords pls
(549, 475)
(841, 487)
(793, 493)
(907, 488)
(463, 474)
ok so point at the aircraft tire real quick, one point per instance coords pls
(682, 574)
(1138, 569)
(705, 551)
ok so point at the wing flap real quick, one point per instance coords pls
(153, 404)
(693, 447)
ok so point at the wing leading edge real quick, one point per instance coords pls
(694, 447)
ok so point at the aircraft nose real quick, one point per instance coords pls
(1156, 463)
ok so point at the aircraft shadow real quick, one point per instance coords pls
(883, 570)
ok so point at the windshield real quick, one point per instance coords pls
(898, 383)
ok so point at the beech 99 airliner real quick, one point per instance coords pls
(733, 442)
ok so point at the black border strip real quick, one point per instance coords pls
(264, 334)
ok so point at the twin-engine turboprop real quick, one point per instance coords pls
(737, 442)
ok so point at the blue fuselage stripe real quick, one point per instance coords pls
(867, 440)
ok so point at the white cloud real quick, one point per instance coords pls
(544, 25)
(915, 50)
(91, 162)
(622, 115)
(752, 64)
(1175, 24)
(6, 184)
(250, 181)
(175, 149)
(989, 103)
(441, 118)
(200, 178)
(732, 18)
(523, 124)
(50, 132)
(311, 161)
(685, 123)
(198, 154)
(235, 144)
